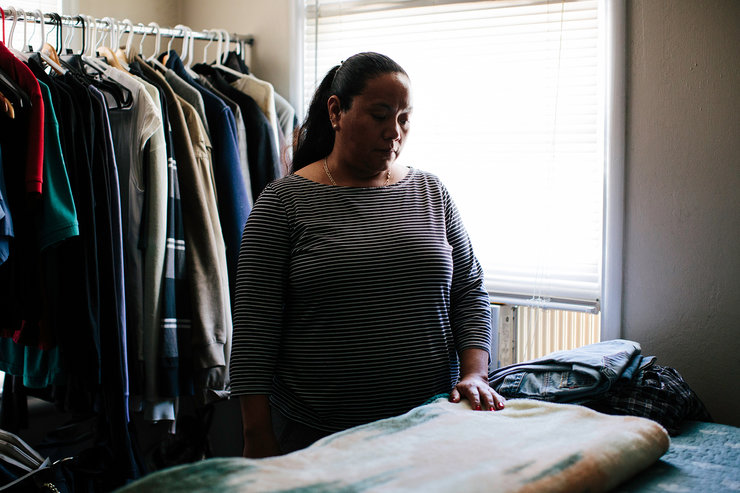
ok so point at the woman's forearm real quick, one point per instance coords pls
(474, 362)
(259, 439)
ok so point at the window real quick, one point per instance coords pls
(509, 101)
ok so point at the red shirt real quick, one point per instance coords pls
(22, 75)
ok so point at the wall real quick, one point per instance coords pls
(272, 22)
(164, 12)
(681, 296)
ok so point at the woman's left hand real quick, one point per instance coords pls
(476, 390)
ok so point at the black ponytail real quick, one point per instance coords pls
(314, 140)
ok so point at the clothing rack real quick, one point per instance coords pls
(114, 27)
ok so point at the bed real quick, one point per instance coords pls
(531, 446)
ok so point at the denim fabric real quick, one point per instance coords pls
(571, 376)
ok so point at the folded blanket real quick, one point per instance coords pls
(530, 446)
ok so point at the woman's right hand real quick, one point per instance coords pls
(259, 439)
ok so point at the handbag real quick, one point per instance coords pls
(22, 469)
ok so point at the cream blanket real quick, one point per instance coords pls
(531, 446)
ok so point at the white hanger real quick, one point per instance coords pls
(223, 54)
(130, 39)
(189, 60)
(141, 41)
(70, 32)
(103, 34)
(18, 53)
(27, 48)
(153, 59)
(51, 63)
(90, 33)
(158, 39)
(14, 13)
(169, 45)
(211, 37)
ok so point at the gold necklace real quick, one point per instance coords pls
(331, 178)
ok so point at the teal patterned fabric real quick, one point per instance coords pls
(704, 457)
(529, 446)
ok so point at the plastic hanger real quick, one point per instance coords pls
(21, 54)
(13, 96)
(7, 106)
(93, 69)
(226, 38)
(153, 59)
(47, 52)
(188, 59)
(14, 92)
(130, 39)
(106, 51)
(123, 54)
(51, 53)
(14, 13)
(211, 37)
(140, 51)
(70, 35)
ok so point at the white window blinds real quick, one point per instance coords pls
(508, 111)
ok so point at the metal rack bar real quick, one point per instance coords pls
(75, 22)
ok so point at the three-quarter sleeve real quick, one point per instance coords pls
(261, 281)
(470, 309)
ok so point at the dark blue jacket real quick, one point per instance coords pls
(233, 204)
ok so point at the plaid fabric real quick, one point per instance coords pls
(658, 393)
(175, 376)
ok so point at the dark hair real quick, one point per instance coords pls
(314, 139)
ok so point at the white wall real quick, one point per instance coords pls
(682, 230)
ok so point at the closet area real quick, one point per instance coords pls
(130, 156)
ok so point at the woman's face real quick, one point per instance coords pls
(372, 132)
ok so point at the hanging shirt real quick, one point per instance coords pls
(263, 158)
(205, 259)
(6, 221)
(32, 128)
(190, 94)
(81, 267)
(231, 193)
(22, 141)
(154, 244)
(132, 129)
(113, 404)
(241, 132)
(264, 94)
(58, 220)
(206, 267)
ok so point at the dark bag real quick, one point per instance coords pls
(22, 469)
(658, 393)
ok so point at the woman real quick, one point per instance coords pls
(358, 296)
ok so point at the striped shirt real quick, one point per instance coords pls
(352, 303)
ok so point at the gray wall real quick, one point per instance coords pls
(682, 223)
